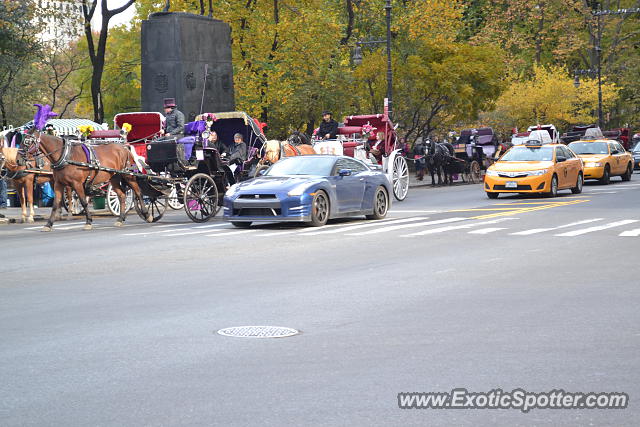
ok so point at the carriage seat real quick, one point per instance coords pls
(105, 134)
(188, 142)
(350, 145)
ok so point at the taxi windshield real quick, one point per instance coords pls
(528, 154)
(589, 147)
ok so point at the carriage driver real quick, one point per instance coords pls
(174, 125)
(329, 127)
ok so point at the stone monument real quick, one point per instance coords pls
(177, 47)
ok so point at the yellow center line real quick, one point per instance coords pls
(529, 209)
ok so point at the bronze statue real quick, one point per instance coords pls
(167, 6)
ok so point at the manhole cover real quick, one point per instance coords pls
(258, 332)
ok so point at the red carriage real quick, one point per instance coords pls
(372, 139)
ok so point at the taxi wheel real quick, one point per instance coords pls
(578, 188)
(606, 176)
(492, 195)
(554, 186)
(627, 174)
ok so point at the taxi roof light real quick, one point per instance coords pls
(533, 143)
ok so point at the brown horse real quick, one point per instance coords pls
(23, 180)
(275, 150)
(68, 163)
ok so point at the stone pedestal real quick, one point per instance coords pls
(175, 48)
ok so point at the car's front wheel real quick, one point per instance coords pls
(319, 209)
(578, 188)
(380, 204)
(554, 186)
(606, 176)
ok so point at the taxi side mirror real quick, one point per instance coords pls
(560, 159)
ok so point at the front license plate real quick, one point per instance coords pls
(511, 184)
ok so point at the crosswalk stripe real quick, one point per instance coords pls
(457, 227)
(366, 225)
(231, 233)
(630, 233)
(402, 226)
(487, 230)
(597, 228)
(189, 233)
(542, 230)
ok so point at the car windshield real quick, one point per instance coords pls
(528, 154)
(589, 147)
(303, 165)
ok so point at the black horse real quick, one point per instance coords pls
(299, 138)
(167, 6)
(436, 157)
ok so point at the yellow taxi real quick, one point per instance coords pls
(535, 168)
(603, 159)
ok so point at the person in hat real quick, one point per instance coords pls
(174, 125)
(328, 127)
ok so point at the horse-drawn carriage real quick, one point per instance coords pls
(358, 138)
(477, 148)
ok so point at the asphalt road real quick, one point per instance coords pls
(119, 326)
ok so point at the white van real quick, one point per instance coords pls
(550, 129)
(541, 136)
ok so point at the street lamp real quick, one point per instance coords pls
(357, 55)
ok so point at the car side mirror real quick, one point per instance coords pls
(615, 152)
(561, 159)
(261, 172)
(344, 172)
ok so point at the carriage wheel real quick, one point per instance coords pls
(73, 206)
(201, 198)
(475, 172)
(400, 178)
(175, 198)
(156, 206)
(113, 203)
(260, 169)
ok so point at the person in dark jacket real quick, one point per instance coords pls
(214, 142)
(235, 157)
(174, 125)
(328, 127)
(419, 153)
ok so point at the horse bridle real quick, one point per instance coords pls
(32, 145)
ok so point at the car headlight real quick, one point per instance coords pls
(491, 172)
(298, 191)
(593, 164)
(538, 172)
(232, 190)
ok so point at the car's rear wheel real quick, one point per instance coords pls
(578, 188)
(554, 186)
(606, 176)
(492, 195)
(241, 224)
(380, 204)
(319, 209)
(627, 174)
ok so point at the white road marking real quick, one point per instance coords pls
(399, 227)
(630, 233)
(597, 228)
(457, 227)
(410, 211)
(365, 225)
(189, 233)
(486, 230)
(230, 233)
(542, 230)
(170, 225)
(212, 225)
(68, 227)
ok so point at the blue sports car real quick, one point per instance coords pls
(309, 189)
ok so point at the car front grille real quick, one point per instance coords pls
(520, 187)
(257, 196)
(257, 212)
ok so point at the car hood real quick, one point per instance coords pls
(593, 157)
(276, 183)
(520, 166)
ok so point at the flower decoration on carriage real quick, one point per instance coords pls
(85, 130)
(367, 130)
(126, 128)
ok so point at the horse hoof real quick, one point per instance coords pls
(87, 227)
(46, 228)
(118, 224)
(30, 220)
(149, 218)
